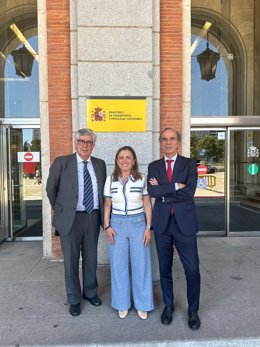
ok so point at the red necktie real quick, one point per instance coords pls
(169, 174)
(169, 169)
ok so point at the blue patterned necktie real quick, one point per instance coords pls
(88, 199)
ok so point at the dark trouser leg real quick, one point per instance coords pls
(186, 245)
(164, 246)
(71, 252)
(89, 254)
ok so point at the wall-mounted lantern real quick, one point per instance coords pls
(208, 60)
(23, 61)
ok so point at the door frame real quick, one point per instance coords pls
(7, 220)
(3, 185)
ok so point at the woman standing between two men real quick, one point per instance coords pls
(127, 222)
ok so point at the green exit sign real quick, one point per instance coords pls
(253, 169)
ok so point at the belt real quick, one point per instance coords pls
(166, 200)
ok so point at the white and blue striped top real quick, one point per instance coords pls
(127, 199)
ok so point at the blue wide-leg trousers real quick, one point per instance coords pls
(129, 250)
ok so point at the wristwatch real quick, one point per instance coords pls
(148, 227)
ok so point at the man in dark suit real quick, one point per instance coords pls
(172, 182)
(75, 191)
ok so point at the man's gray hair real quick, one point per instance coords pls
(85, 131)
(177, 133)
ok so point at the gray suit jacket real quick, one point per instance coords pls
(62, 190)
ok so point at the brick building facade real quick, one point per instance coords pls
(144, 49)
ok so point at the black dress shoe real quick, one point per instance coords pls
(94, 301)
(75, 310)
(166, 317)
(194, 320)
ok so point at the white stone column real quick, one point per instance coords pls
(44, 119)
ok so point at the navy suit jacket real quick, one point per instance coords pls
(185, 171)
(62, 189)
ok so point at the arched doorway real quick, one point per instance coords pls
(226, 92)
(20, 168)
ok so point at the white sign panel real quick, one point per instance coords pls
(28, 157)
(221, 135)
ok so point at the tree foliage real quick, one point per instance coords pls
(214, 148)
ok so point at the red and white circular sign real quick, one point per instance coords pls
(28, 156)
(202, 169)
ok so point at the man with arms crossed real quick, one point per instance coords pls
(75, 190)
(172, 182)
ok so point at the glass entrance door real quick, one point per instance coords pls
(244, 181)
(21, 201)
(228, 189)
(3, 187)
(208, 148)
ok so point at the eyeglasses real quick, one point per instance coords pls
(87, 143)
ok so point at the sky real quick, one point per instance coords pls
(208, 97)
(22, 94)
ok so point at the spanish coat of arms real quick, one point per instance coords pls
(98, 115)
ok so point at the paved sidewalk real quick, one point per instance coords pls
(33, 309)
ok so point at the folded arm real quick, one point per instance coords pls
(185, 190)
(188, 191)
(156, 189)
